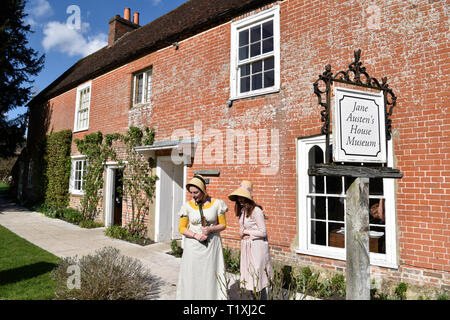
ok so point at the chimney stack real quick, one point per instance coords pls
(127, 14)
(136, 18)
(118, 26)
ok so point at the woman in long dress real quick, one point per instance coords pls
(256, 266)
(202, 266)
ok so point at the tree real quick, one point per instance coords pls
(18, 63)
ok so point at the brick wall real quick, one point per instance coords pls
(405, 41)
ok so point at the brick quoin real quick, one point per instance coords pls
(192, 83)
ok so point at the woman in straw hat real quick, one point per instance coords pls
(256, 267)
(201, 221)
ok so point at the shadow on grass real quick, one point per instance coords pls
(25, 272)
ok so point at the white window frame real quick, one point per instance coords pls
(77, 107)
(388, 259)
(72, 189)
(147, 86)
(236, 27)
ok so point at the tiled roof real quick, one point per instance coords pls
(190, 18)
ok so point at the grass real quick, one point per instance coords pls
(4, 188)
(24, 269)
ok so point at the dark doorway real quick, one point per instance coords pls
(118, 194)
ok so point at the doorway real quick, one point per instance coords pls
(170, 196)
(114, 196)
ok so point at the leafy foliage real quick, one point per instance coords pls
(17, 64)
(98, 150)
(139, 181)
(58, 164)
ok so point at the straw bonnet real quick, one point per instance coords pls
(197, 181)
(245, 190)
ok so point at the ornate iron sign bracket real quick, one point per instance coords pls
(356, 75)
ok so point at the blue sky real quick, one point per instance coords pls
(65, 39)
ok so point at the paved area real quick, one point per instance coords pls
(64, 239)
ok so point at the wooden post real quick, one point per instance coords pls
(357, 240)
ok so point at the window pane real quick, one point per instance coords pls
(257, 67)
(255, 49)
(336, 235)
(269, 79)
(245, 84)
(315, 156)
(257, 81)
(267, 29)
(318, 208)
(376, 211)
(336, 209)
(376, 186)
(243, 38)
(245, 70)
(318, 233)
(255, 33)
(334, 185)
(139, 87)
(268, 45)
(243, 53)
(377, 239)
(268, 64)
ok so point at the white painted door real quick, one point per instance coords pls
(170, 199)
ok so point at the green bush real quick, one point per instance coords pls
(177, 251)
(89, 224)
(106, 275)
(400, 291)
(232, 261)
(72, 215)
(58, 164)
(117, 232)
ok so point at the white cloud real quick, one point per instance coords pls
(61, 37)
(156, 2)
(40, 9)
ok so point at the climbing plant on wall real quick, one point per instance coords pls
(98, 150)
(139, 180)
(57, 169)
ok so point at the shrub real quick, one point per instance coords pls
(106, 275)
(57, 173)
(89, 224)
(232, 261)
(400, 291)
(177, 251)
(117, 232)
(72, 215)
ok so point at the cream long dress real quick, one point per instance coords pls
(256, 266)
(200, 265)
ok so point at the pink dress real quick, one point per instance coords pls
(256, 267)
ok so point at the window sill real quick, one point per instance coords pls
(376, 259)
(76, 193)
(80, 130)
(140, 105)
(254, 94)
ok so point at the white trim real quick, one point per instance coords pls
(109, 212)
(72, 175)
(77, 103)
(158, 191)
(389, 259)
(268, 14)
(145, 72)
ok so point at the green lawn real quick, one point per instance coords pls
(4, 188)
(24, 269)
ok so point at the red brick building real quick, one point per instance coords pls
(234, 80)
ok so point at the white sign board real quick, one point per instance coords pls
(359, 126)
